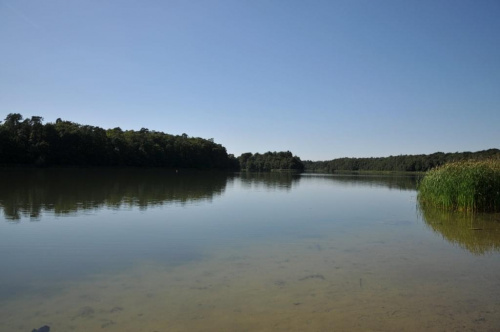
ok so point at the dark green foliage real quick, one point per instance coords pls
(65, 143)
(270, 161)
(402, 163)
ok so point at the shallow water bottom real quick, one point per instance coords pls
(309, 284)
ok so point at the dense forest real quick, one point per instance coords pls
(65, 143)
(402, 163)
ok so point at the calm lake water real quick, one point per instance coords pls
(152, 250)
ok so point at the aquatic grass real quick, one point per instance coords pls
(469, 186)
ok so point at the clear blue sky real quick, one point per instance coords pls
(323, 79)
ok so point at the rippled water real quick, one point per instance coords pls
(154, 250)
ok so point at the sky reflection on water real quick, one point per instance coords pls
(333, 233)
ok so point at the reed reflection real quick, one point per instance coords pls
(477, 233)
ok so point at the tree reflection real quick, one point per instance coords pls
(391, 181)
(29, 192)
(269, 180)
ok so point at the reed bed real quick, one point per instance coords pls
(469, 186)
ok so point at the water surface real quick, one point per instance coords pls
(154, 250)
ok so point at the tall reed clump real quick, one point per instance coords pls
(469, 186)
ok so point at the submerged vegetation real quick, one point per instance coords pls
(468, 186)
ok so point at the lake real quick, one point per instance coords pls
(155, 250)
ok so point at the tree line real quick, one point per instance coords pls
(64, 143)
(401, 163)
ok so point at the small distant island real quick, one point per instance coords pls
(30, 142)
